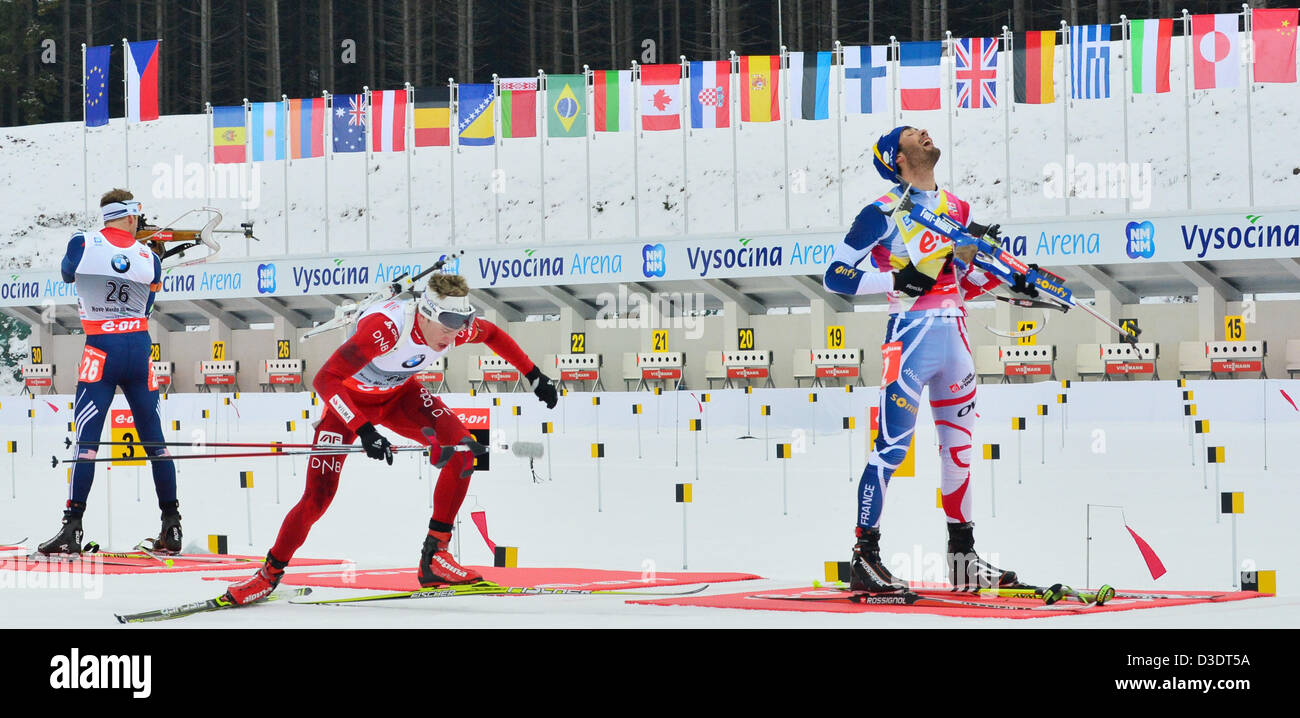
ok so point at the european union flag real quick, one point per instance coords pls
(96, 84)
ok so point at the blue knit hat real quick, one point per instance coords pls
(886, 153)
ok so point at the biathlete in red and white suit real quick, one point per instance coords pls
(369, 381)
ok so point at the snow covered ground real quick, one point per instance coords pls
(1126, 444)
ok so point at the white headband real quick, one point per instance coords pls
(118, 210)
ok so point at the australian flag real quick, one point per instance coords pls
(977, 72)
(349, 113)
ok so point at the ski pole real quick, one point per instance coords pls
(54, 460)
(68, 443)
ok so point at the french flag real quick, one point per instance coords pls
(919, 75)
(142, 81)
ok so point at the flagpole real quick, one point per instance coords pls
(126, 115)
(327, 152)
(1065, 114)
(1187, 99)
(1007, 79)
(1127, 83)
(453, 145)
(839, 129)
(288, 160)
(542, 138)
(365, 142)
(1250, 90)
(85, 162)
(406, 145)
(686, 194)
(248, 160)
(496, 155)
(952, 70)
(893, 83)
(636, 150)
(207, 174)
(785, 131)
(588, 94)
(733, 119)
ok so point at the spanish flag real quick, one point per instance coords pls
(760, 96)
(1033, 55)
(228, 134)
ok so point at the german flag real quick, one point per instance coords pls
(432, 117)
(1033, 56)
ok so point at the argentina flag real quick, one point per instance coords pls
(1089, 62)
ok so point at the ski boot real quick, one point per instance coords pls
(866, 571)
(67, 542)
(438, 567)
(966, 570)
(169, 536)
(259, 585)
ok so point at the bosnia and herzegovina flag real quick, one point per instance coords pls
(1033, 60)
(228, 134)
(142, 81)
(474, 116)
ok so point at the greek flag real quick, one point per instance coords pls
(1089, 62)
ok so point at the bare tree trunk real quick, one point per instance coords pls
(433, 45)
(917, 32)
(462, 64)
(630, 44)
(798, 22)
(724, 30)
(1074, 12)
(418, 22)
(370, 44)
(67, 61)
(1103, 12)
(943, 19)
(713, 28)
(677, 26)
(205, 50)
(576, 58)
(469, 40)
(613, 44)
(382, 43)
(532, 35)
(835, 22)
(659, 48)
(1166, 8)
(273, 48)
(90, 22)
(244, 73)
(927, 22)
(407, 74)
(1018, 15)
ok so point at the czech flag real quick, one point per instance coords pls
(142, 81)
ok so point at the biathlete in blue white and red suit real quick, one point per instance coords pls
(925, 346)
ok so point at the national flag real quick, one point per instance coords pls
(432, 117)
(1089, 62)
(977, 72)
(350, 117)
(474, 115)
(566, 105)
(518, 106)
(1033, 59)
(388, 117)
(918, 75)
(1214, 51)
(228, 134)
(810, 84)
(307, 118)
(1274, 35)
(613, 100)
(710, 94)
(1149, 40)
(267, 134)
(142, 81)
(760, 92)
(96, 85)
(866, 88)
(661, 97)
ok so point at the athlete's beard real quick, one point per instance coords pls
(922, 158)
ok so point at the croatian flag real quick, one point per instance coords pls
(977, 72)
(866, 89)
(142, 81)
(918, 75)
(710, 94)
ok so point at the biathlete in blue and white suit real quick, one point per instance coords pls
(926, 346)
(116, 278)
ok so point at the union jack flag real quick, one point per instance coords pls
(977, 72)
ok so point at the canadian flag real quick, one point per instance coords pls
(1215, 46)
(661, 97)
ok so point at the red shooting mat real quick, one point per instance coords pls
(753, 600)
(112, 566)
(404, 579)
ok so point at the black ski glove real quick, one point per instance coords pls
(542, 387)
(1024, 287)
(911, 281)
(375, 444)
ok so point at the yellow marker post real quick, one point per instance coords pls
(783, 452)
(218, 544)
(548, 428)
(505, 557)
(1202, 427)
(812, 399)
(1042, 411)
(849, 423)
(1259, 581)
(1018, 426)
(1233, 502)
(12, 448)
(704, 413)
(938, 498)
(636, 411)
(766, 411)
(246, 482)
(695, 426)
(1215, 455)
(992, 453)
(598, 453)
(684, 495)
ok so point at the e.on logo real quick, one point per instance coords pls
(122, 418)
(474, 418)
(930, 241)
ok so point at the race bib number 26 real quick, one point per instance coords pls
(92, 365)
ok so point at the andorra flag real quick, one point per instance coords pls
(142, 81)
(228, 134)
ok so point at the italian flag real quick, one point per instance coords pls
(1150, 46)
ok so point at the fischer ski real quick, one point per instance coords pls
(488, 588)
(189, 609)
(902, 598)
(1050, 594)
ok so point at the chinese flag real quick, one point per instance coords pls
(1274, 32)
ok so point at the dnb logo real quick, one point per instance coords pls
(332, 464)
(478, 421)
(413, 362)
(654, 260)
(120, 263)
(1141, 242)
(265, 278)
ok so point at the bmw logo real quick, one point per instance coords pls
(413, 361)
(120, 263)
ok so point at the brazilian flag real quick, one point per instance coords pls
(566, 105)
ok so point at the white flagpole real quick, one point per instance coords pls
(785, 131)
(733, 119)
(894, 112)
(208, 173)
(1007, 99)
(1065, 114)
(496, 154)
(453, 145)
(952, 83)
(327, 153)
(636, 149)
(85, 162)
(1127, 81)
(365, 97)
(1250, 91)
(1187, 99)
(543, 138)
(589, 94)
(686, 124)
(409, 112)
(840, 119)
(126, 115)
(288, 160)
(248, 160)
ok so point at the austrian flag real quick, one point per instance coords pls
(661, 97)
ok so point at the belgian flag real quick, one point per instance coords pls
(1033, 60)
(432, 117)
